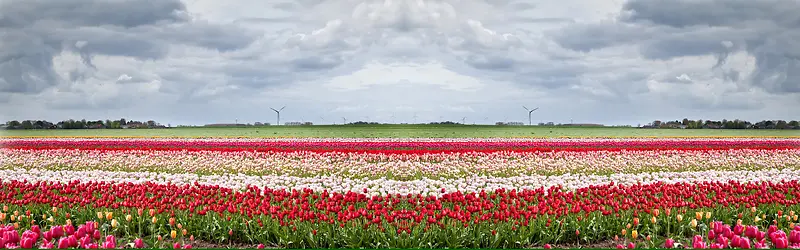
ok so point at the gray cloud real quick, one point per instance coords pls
(663, 30)
(208, 61)
(40, 30)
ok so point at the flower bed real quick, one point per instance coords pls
(423, 193)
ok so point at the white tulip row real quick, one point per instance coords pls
(385, 186)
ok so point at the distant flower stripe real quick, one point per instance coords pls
(398, 166)
(396, 146)
(384, 186)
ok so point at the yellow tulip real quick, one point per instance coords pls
(634, 234)
(708, 215)
(155, 220)
(653, 220)
(679, 217)
(109, 215)
(693, 223)
(128, 218)
(173, 234)
(698, 215)
(99, 215)
(114, 223)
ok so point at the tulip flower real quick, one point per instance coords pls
(669, 243)
(138, 243)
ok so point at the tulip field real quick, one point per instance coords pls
(85, 192)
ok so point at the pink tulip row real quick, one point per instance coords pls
(86, 236)
(400, 166)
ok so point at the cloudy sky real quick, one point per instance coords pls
(212, 61)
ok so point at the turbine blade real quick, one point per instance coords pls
(525, 108)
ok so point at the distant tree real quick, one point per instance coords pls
(781, 124)
(27, 124)
(794, 124)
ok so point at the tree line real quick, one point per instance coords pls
(724, 124)
(82, 124)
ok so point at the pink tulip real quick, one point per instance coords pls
(27, 243)
(722, 240)
(620, 246)
(631, 245)
(69, 229)
(63, 243)
(669, 243)
(48, 235)
(711, 234)
(96, 235)
(176, 245)
(92, 246)
(738, 229)
(138, 243)
(744, 243)
(187, 247)
(794, 236)
(261, 246)
(717, 246)
(57, 232)
(111, 238)
(781, 242)
(36, 229)
(80, 232)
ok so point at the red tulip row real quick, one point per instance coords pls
(273, 214)
(405, 147)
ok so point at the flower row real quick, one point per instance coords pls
(494, 218)
(400, 167)
(406, 147)
(384, 186)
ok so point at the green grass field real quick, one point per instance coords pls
(403, 131)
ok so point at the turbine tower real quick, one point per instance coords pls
(278, 111)
(464, 120)
(529, 113)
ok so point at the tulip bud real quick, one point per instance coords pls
(154, 220)
(128, 218)
(99, 215)
(261, 246)
(191, 237)
(698, 215)
(628, 226)
(656, 212)
(55, 209)
(139, 212)
(109, 215)
(708, 215)
(173, 234)
(634, 234)
(653, 220)
(2, 216)
(624, 232)
(159, 237)
(752, 209)
(693, 223)
(679, 217)
(635, 222)
(114, 223)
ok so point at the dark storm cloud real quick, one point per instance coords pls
(767, 30)
(35, 31)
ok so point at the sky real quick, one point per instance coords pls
(211, 61)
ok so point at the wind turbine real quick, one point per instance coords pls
(529, 113)
(464, 120)
(344, 121)
(415, 118)
(278, 111)
(392, 118)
